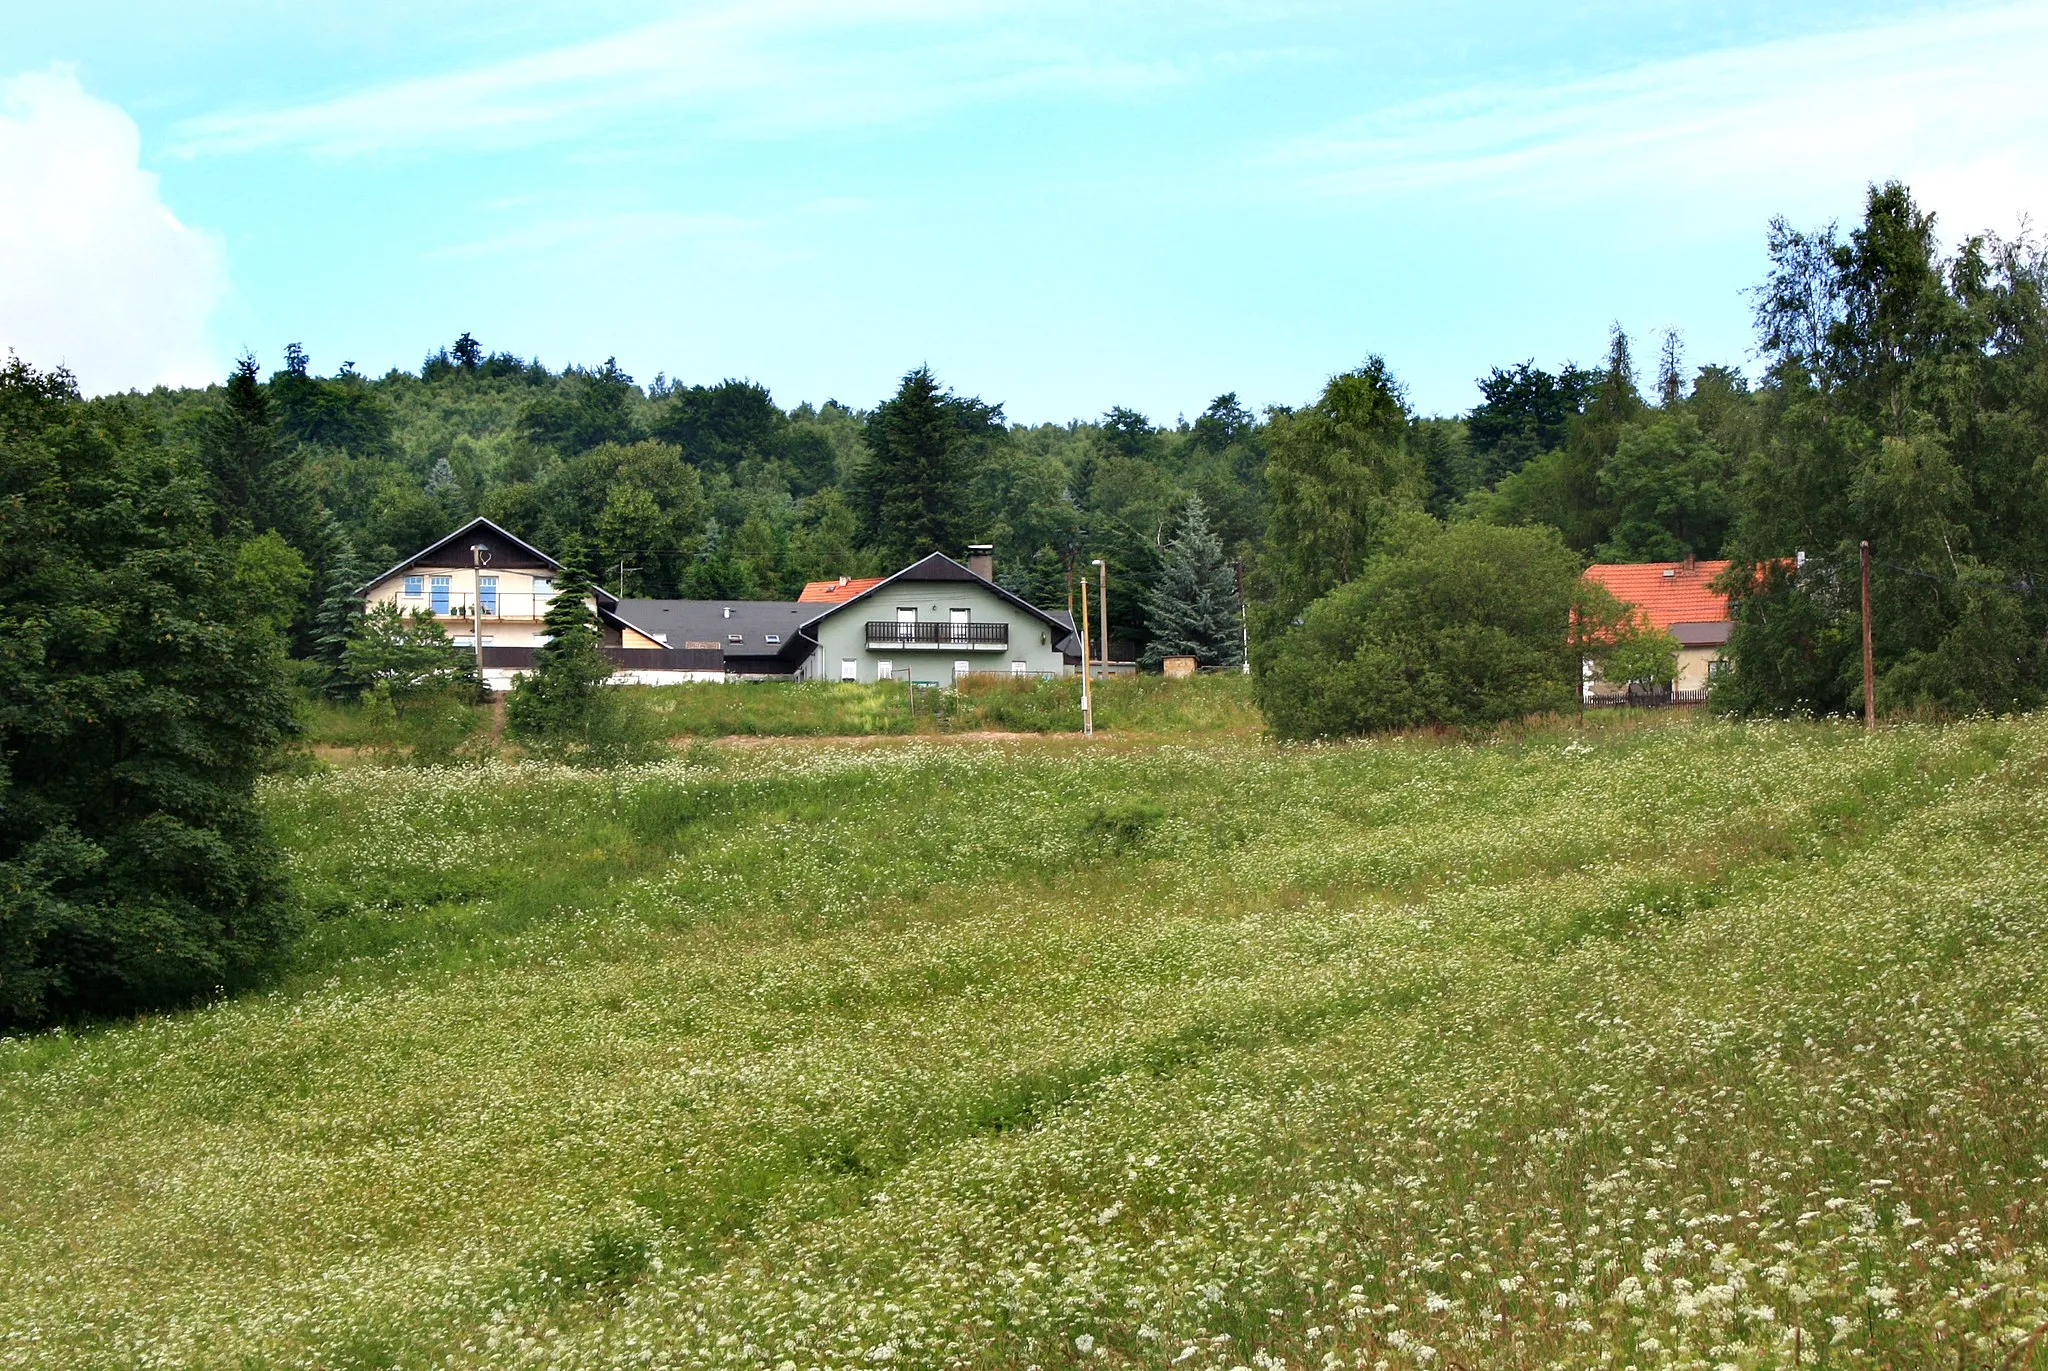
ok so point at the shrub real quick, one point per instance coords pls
(1464, 625)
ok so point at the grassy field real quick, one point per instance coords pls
(1212, 706)
(1677, 1045)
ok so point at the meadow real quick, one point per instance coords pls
(1684, 1044)
(1211, 706)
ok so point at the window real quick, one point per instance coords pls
(462, 640)
(440, 595)
(771, 637)
(415, 586)
(737, 638)
(1020, 668)
(543, 591)
(849, 669)
(487, 593)
(885, 671)
(661, 638)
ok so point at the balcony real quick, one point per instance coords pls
(936, 636)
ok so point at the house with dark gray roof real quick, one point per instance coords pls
(935, 622)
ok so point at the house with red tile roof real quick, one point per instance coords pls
(837, 592)
(1678, 597)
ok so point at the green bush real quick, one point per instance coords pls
(1464, 625)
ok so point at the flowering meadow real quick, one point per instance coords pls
(1698, 1045)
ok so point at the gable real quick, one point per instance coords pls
(503, 551)
(935, 569)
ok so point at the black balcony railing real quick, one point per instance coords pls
(936, 634)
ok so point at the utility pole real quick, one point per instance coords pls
(1869, 656)
(623, 569)
(479, 554)
(1102, 608)
(1087, 701)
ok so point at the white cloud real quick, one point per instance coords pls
(741, 67)
(1950, 102)
(96, 274)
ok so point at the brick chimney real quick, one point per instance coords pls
(981, 560)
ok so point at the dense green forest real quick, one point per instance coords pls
(1899, 395)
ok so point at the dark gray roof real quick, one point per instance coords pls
(716, 621)
(1702, 633)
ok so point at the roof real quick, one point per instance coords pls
(837, 591)
(1668, 593)
(716, 621)
(506, 549)
(937, 567)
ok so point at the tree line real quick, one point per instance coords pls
(173, 564)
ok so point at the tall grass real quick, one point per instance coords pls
(1696, 1045)
(1148, 706)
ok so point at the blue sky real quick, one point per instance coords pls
(1059, 206)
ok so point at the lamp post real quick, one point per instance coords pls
(1102, 608)
(479, 558)
(1087, 701)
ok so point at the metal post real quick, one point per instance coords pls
(1087, 701)
(476, 605)
(1102, 608)
(1869, 655)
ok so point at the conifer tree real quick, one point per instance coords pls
(140, 693)
(341, 605)
(257, 484)
(551, 707)
(913, 491)
(1193, 610)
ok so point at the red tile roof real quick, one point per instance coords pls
(1667, 592)
(837, 591)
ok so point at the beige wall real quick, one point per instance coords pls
(519, 606)
(1695, 668)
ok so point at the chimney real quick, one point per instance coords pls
(981, 560)
(1692, 563)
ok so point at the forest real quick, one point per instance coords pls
(1898, 394)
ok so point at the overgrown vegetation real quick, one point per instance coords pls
(1657, 1046)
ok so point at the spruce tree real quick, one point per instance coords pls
(257, 483)
(341, 605)
(552, 706)
(912, 494)
(1193, 609)
(140, 693)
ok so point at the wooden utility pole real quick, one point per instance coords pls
(1869, 656)
(1087, 701)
